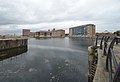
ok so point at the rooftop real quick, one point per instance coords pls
(83, 25)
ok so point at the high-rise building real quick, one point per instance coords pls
(82, 31)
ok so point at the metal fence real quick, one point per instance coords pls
(112, 66)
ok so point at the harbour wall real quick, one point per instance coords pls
(6, 44)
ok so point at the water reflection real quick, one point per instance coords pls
(44, 38)
(49, 60)
(12, 52)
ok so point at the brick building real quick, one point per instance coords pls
(43, 34)
(32, 34)
(58, 33)
(53, 33)
(25, 32)
(28, 33)
(82, 31)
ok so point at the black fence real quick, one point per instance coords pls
(112, 66)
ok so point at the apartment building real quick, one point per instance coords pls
(87, 30)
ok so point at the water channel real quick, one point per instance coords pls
(48, 60)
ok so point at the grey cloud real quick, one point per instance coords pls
(102, 12)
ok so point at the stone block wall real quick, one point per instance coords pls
(12, 43)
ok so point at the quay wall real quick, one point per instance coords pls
(6, 44)
(5, 54)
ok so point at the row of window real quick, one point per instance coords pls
(79, 31)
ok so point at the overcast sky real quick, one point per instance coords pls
(47, 14)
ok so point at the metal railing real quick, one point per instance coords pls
(112, 66)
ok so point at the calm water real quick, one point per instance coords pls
(48, 60)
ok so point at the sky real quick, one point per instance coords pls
(59, 14)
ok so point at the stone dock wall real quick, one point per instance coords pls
(92, 62)
(5, 54)
(6, 44)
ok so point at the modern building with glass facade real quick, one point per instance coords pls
(87, 30)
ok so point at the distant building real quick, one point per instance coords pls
(32, 34)
(58, 33)
(53, 33)
(82, 31)
(43, 34)
(105, 34)
(25, 32)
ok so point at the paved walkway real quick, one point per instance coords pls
(101, 74)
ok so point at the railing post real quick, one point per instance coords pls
(96, 40)
(110, 69)
(113, 41)
(117, 74)
(107, 60)
(101, 42)
(105, 44)
(105, 48)
(117, 40)
(107, 63)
